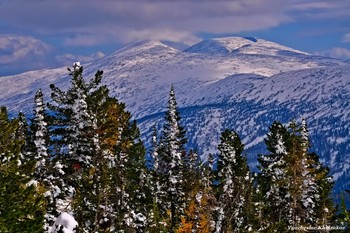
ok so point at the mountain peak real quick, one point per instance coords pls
(240, 45)
(146, 46)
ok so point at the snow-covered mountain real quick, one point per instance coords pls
(239, 83)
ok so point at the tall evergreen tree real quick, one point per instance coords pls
(317, 185)
(102, 156)
(343, 216)
(294, 184)
(38, 150)
(300, 177)
(21, 205)
(71, 129)
(155, 221)
(200, 202)
(273, 182)
(40, 137)
(171, 164)
(234, 185)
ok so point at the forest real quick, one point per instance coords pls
(78, 164)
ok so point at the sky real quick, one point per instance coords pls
(36, 34)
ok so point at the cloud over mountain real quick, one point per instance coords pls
(22, 52)
(91, 22)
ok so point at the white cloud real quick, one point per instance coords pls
(90, 22)
(341, 53)
(21, 48)
(320, 9)
(23, 53)
(87, 23)
(106, 21)
(100, 22)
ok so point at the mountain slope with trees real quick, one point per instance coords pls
(80, 166)
(245, 85)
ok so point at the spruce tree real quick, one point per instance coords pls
(233, 187)
(171, 152)
(102, 157)
(317, 185)
(125, 171)
(343, 216)
(293, 183)
(273, 182)
(38, 149)
(40, 137)
(71, 129)
(155, 220)
(21, 204)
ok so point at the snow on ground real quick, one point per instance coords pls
(64, 222)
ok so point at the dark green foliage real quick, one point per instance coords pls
(172, 153)
(273, 182)
(343, 216)
(102, 155)
(294, 186)
(21, 204)
(96, 164)
(234, 188)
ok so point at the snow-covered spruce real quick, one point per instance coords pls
(234, 184)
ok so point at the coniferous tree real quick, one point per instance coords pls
(155, 220)
(102, 157)
(234, 185)
(24, 133)
(21, 205)
(171, 152)
(37, 149)
(343, 216)
(273, 182)
(69, 127)
(302, 186)
(127, 188)
(39, 128)
(324, 208)
(294, 184)
(200, 202)
(317, 185)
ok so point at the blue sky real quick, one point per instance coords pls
(37, 34)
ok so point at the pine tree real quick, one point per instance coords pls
(125, 172)
(21, 205)
(324, 208)
(234, 185)
(24, 133)
(310, 196)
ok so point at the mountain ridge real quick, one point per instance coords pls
(227, 45)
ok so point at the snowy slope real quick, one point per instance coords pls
(241, 83)
(241, 45)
